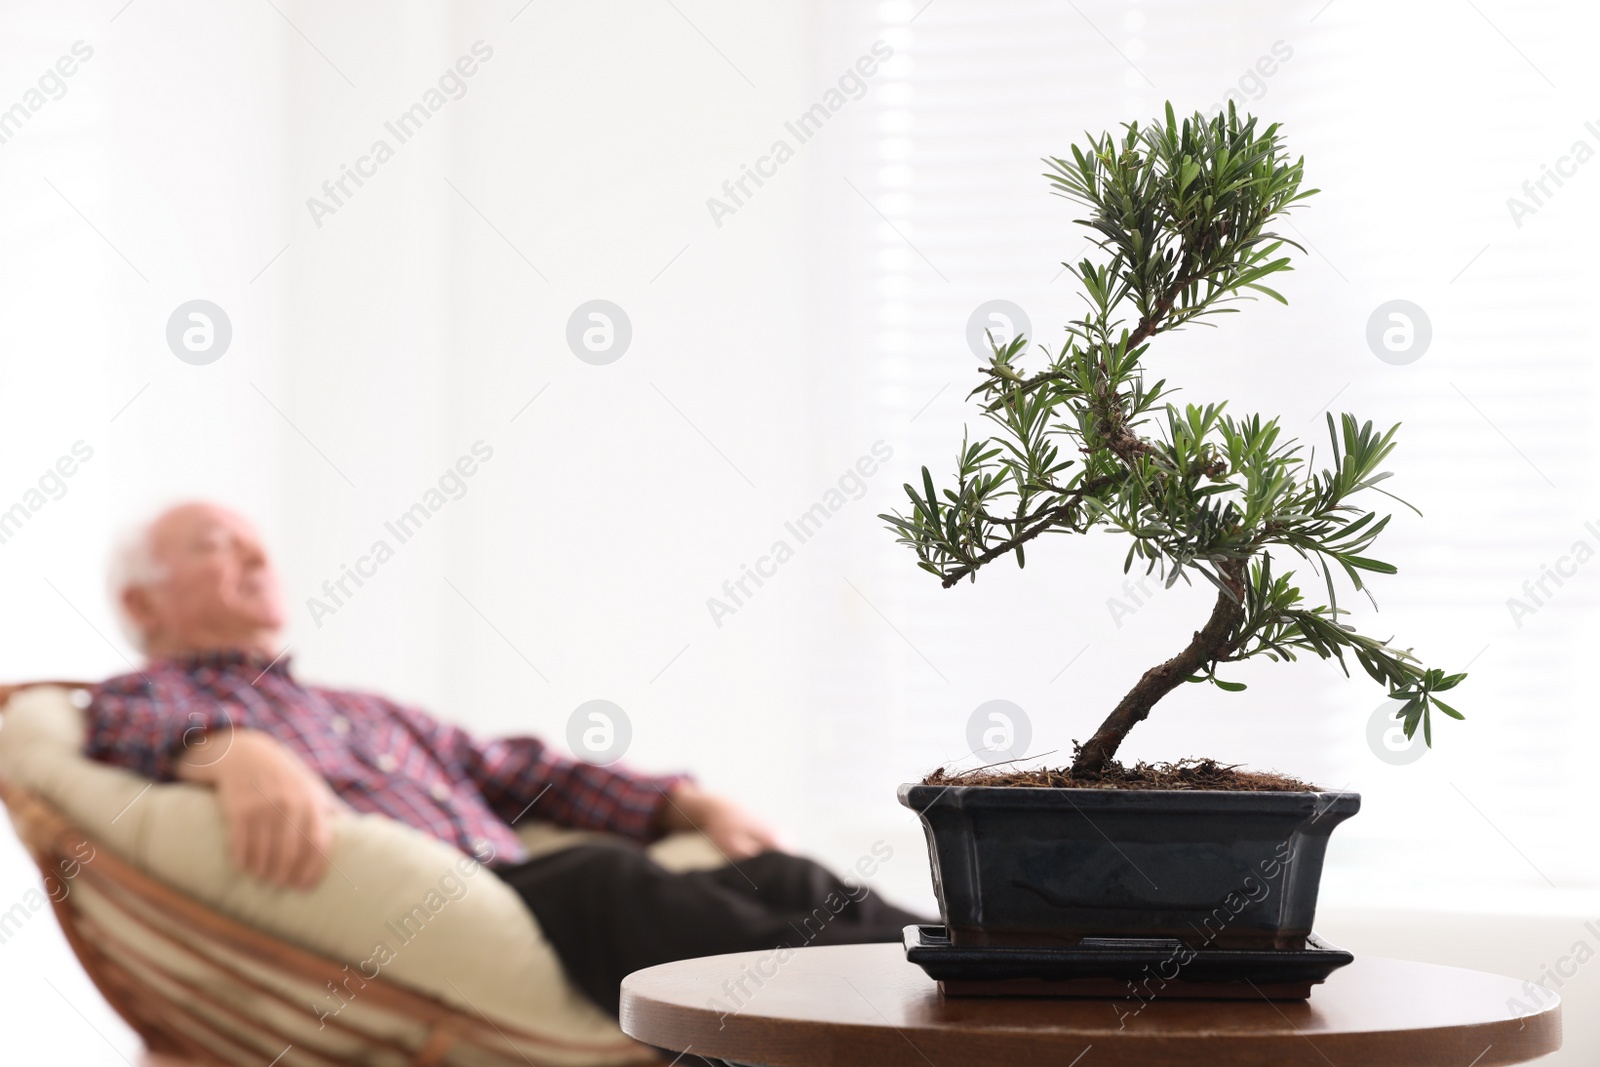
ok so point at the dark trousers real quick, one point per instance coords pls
(608, 909)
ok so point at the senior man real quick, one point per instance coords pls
(217, 704)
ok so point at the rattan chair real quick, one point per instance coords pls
(199, 986)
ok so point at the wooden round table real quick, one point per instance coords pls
(865, 1006)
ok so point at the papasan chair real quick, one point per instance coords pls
(405, 954)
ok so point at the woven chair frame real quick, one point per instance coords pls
(151, 995)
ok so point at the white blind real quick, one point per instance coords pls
(935, 205)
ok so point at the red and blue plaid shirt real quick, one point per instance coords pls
(376, 755)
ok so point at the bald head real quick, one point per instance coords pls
(198, 579)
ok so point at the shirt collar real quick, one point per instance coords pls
(225, 658)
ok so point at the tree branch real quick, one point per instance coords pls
(1047, 520)
(1209, 643)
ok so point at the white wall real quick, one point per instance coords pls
(404, 328)
(166, 157)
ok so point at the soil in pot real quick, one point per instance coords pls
(1184, 774)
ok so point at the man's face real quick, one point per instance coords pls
(217, 587)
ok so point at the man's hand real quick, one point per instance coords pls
(734, 831)
(276, 809)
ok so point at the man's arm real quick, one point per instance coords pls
(278, 812)
(146, 724)
(735, 832)
(521, 778)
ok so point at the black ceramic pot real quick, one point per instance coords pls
(1039, 866)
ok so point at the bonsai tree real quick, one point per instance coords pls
(1181, 213)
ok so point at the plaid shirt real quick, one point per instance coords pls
(378, 756)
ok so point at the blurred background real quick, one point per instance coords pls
(762, 335)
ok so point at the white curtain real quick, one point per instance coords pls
(1419, 123)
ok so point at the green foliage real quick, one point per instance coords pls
(1181, 214)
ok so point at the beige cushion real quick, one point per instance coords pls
(472, 943)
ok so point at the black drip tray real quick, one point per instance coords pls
(1099, 967)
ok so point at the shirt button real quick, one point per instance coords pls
(341, 725)
(439, 791)
(387, 763)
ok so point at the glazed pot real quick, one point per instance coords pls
(1044, 866)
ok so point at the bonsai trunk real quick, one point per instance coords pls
(1210, 642)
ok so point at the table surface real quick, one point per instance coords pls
(850, 1005)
